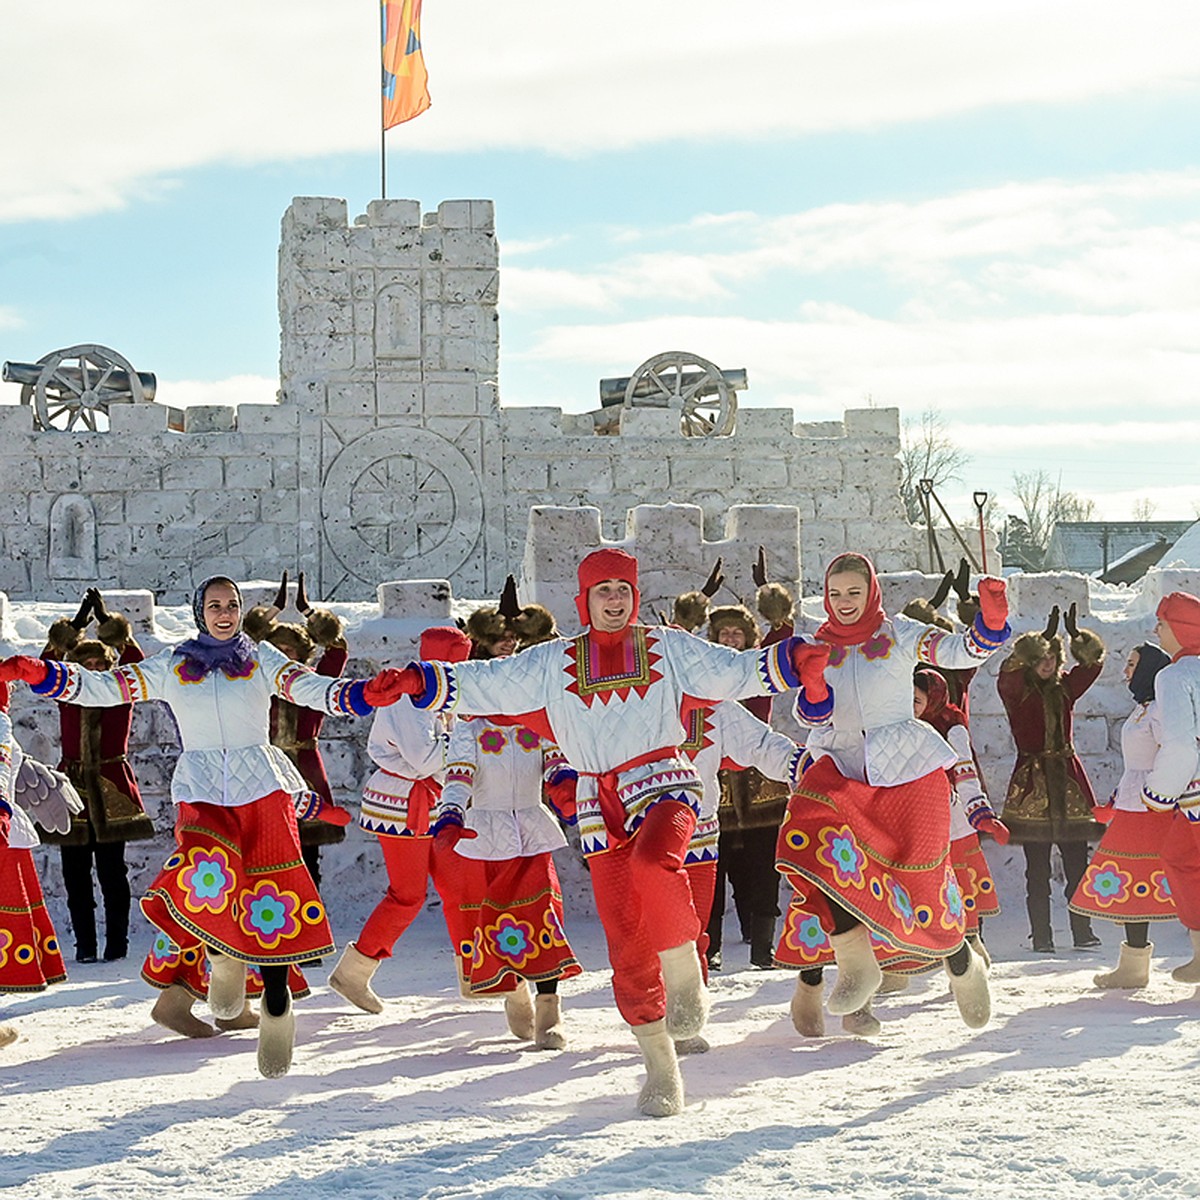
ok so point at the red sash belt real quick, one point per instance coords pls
(611, 808)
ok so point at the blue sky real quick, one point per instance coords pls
(989, 209)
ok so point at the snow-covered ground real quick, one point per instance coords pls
(1068, 1093)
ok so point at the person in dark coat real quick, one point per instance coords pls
(95, 757)
(1050, 799)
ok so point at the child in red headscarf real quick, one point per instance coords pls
(865, 842)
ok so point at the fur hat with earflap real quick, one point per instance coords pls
(534, 625)
(486, 627)
(733, 616)
(776, 604)
(85, 651)
(690, 611)
(292, 639)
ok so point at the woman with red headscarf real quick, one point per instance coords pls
(1174, 781)
(613, 699)
(865, 842)
(970, 810)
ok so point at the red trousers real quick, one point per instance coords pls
(702, 876)
(1180, 854)
(410, 862)
(644, 901)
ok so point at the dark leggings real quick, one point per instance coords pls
(275, 989)
(546, 987)
(844, 921)
(1137, 935)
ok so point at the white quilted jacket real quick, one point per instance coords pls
(406, 744)
(1175, 777)
(227, 758)
(1140, 736)
(494, 775)
(871, 734)
(22, 834)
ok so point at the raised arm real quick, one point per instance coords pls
(710, 671)
(498, 686)
(303, 686)
(71, 683)
(748, 742)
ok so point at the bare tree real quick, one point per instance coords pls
(1042, 504)
(926, 452)
(1144, 509)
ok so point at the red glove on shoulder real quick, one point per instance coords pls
(390, 684)
(996, 828)
(809, 659)
(993, 602)
(25, 668)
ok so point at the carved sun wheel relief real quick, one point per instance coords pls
(401, 501)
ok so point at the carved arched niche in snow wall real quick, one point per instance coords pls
(72, 539)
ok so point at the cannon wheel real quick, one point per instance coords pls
(680, 380)
(65, 401)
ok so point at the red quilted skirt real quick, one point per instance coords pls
(236, 882)
(518, 927)
(882, 853)
(166, 964)
(29, 954)
(1125, 879)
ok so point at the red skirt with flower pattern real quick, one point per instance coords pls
(166, 964)
(518, 927)
(974, 880)
(1125, 880)
(236, 882)
(29, 954)
(882, 853)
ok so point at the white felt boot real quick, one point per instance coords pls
(858, 976)
(687, 997)
(893, 983)
(808, 1008)
(518, 1012)
(862, 1022)
(1190, 971)
(977, 945)
(226, 985)
(246, 1019)
(548, 1031)
(971, 992)
(173, 1010)
(692, 1045)
(351, 978)
(1133, 968)
(276, 1037)
(662, 1094)
(8, 1035)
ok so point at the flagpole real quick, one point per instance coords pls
(382, 138)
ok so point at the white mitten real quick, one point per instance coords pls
(47, 795)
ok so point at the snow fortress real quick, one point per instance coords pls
(388, 455)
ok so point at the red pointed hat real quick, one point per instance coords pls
(606, 564)
(1181, 611)
(445, 643)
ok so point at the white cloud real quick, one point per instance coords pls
(10, 318)
(237, 389)
(101, 100)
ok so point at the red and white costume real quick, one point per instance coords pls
(615, 703)
(30, 957)
(494, 779)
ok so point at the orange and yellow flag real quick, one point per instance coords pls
(405, 81)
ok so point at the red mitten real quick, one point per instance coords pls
(809, 659)
(5, 825)
(335, 814)
(993, 602)
(449, 836)
(996, 828)
(561, 795)
(1103, 813)
(23, 667)
(390, 684)
(5, 696)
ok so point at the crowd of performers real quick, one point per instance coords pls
(652, 740)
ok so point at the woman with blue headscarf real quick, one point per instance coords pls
(236, 883)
